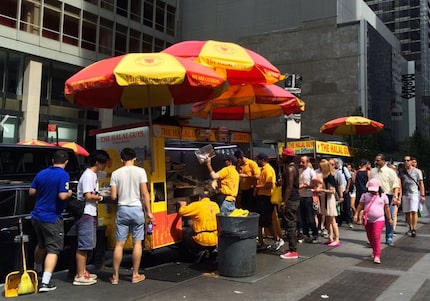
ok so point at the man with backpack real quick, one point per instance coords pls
(346, 180)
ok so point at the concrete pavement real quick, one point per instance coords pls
(320, 273)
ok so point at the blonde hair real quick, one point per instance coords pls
(326, 168)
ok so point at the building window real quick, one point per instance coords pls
(122, 7)
(171, 20)
(147, 43)
(158, 45)
(14, 74)
(107, 4)
(2, 74)
(30, 16)
(8, 13)
(134, 42)
(136, 11)
(59, 74)
(120, 39)
(159, 15)
(51, 20)
(71, 25)
(148, 13)
(89, 31)
(105, 36)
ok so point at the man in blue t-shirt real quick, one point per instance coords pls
(51, 187)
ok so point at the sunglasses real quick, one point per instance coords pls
(406, 160)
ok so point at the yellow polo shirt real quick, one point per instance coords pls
(267, 175)
(203, 214)
(229, 182)
(251, 169)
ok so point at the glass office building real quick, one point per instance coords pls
(46, 41)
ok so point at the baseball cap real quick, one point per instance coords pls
(262, 156)
(288, 152)
(373, 185)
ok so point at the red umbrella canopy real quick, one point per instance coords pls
(79, 150)
(351, 125)
(236, 63)
(139, 80)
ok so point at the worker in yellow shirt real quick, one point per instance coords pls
(249, 172)
(228, 183)
(203, 238)
(263, 192)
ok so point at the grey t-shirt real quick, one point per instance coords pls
(410, 178)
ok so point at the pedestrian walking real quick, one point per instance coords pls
(390, 186)
(413, 193)
(376, 212)
(51, 188)
(129, 187)
(86, 225)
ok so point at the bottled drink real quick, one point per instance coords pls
(150, 228)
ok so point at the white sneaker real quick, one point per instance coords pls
(84, 280)
(278, 244)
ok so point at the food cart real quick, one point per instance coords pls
(167, 152)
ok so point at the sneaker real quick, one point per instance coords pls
(290, 255)
(262, 247)
(85, 279)
(351, 226)
(92, 276)
(409, 232)
(324, 233)
(47, 287)
(300, 237)
(316, 240)
(413, 233)
(277, 245)
(390, 242)
(377, 260)
(137, 278)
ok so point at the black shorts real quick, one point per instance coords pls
(265, 209)
(49, 236)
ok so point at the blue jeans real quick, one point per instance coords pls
(227, 207)
(389, 229)
(308, 217)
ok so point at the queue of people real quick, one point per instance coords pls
(313, 201)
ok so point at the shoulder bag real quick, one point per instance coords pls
(366, 212)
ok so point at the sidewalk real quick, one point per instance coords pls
(320, 273)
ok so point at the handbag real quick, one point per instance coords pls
(365, 218)
(276, 198)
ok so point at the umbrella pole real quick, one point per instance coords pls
(251, 150)
(150, 130)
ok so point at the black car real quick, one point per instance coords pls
(18, 166)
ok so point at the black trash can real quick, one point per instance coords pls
(237, 244)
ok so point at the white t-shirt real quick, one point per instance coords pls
(127, 179)
(88, 183)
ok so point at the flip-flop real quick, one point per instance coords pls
(137, 278)
(113, 281)
(334, 244)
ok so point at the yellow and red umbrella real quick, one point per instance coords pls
(237, 64)
(35, 142)
(140, 80)
(77, 149)
(351, 125)
(250, 111)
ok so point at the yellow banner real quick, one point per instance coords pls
(302, 147)
(333, 149)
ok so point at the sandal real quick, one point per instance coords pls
(137, 278)
(113, 281)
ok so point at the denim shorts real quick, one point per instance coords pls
(86, 228)
(129, 219)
